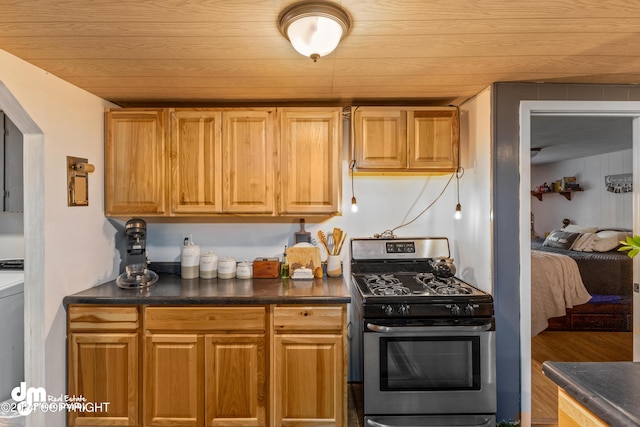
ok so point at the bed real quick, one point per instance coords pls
(607, 277)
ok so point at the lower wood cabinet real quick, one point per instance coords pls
(572, 413)
(102, 359)
(205, 366)
(209, 366)
(309, 368)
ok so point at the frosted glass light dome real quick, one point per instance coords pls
(314, 28)
(313, 36)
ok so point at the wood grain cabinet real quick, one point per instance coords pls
(249, 161)
(572, 413)
(103, 364)
(196, 161)
(136, 162)
(309, 368)
(205, 366)
(250, 366)
(310, 161)
(223, 162)
(406, 139)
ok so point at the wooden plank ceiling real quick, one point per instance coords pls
(158, 52)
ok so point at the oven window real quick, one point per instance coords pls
(447, 363)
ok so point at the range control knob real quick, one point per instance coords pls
(455, 310)
(404, 309)
(388, 310)
(470, 309)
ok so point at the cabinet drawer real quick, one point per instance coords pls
(205, 318)
(305, 318)
(87, 317)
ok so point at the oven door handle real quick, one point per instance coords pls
(373, 423)
(392, 329)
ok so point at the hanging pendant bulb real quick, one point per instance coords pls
(458, 213)
(354, 203)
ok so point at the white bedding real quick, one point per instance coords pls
(555, 286)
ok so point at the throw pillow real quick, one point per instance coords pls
(572, 228)
(560, 239)
(585, 242)
(608, 240)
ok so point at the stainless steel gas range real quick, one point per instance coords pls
(427, 338)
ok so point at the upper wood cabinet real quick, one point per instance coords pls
(406, 139)
(135, 162)
(310, 162)
(196, 161)
(223, 162)
(249, 161)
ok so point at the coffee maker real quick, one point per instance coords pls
(136, 274)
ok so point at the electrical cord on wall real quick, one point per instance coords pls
(389, 234)
(459, 172)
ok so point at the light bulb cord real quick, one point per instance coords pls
(352, 166)
(459, 174)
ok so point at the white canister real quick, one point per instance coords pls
(226, 268)
(190, 260)
(208, 265)
(244, 270)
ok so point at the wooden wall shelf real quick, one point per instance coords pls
(566, 194)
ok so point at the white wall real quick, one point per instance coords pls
(595, 206)
(79, 241)
(384, 202)
(473, 233)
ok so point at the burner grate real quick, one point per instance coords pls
(385, 284)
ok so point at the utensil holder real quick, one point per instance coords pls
(334, 266)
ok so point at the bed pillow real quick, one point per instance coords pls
(572, 228)
(560, 239)
(585, 242)
(608, 240)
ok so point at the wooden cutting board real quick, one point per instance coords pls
(303, 257)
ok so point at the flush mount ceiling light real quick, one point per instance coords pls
(314, 28)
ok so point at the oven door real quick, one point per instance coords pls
(428, 369)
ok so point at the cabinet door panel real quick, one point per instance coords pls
(380, 138)
(433, 140)
(196, 161)
(236, 380)
(248, 161)
(310, 166)
(310, 380)
(95, 360)
(174, 380)
(135, 159)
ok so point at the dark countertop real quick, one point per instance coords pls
(171, 289)
(611, 390)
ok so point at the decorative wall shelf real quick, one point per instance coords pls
(566, 194)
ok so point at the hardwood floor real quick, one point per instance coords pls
(356, 415)
(574, 346)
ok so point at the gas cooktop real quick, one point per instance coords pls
(412, 277)
(419, 284)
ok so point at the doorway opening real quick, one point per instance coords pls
(34, 307)
(568, 108)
